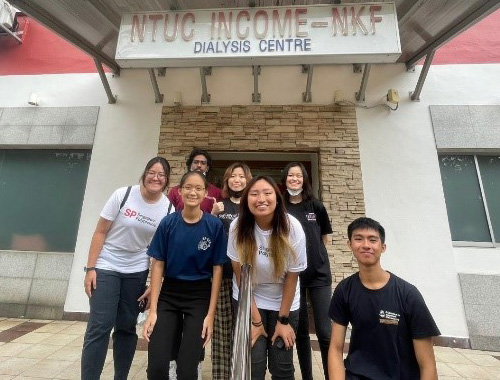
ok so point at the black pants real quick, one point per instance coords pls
(320, 300)
(113, 305)
(264, 353)
(182, 307)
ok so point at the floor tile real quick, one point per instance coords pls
(109, 356)
(140, 358)
(10, 335)
(136, 370)
(52, 328)
(72, 372)
(76, 329)
(471, 371)
(37, 351)
(47, 369)
(15, 366)
(12, 349)
(483, 360)
(493, 371)
(476, 352)
(28, 326)
(141, 374)
(9, 323)
(78, 342)
(64, 322)
(108, 371)
(33, 338)
(39, 321)
(66, 353)
(6, 377)
(59, 339)
(451, 357)
(444, 369)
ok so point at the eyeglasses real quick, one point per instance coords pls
(198, 189)
(199, 162)
(154, 174)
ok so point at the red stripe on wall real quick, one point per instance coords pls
(42, 52)
(478, 44)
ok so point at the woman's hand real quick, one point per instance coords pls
(207, 330)
(257, 331)
(145, 296)
(149, 325)
(90, 282)
(218, 207)
(286, 333)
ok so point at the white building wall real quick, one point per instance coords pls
(401, 177)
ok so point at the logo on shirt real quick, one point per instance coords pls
(129, 213)
(204, 244)
(311, 217)
(388, 317)
(264, 251)
(228, 216)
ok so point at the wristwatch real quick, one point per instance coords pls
(88, 269)
(284, 319)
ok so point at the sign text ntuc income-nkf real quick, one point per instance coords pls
(348, 33)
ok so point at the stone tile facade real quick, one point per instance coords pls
(330, 131)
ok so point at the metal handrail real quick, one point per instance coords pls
(240, 358)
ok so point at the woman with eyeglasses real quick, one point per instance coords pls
(117, 269)
(273, 243)
(234, 182)
(188, 251)
(316, 280)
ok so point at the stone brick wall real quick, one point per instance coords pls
(329, 130)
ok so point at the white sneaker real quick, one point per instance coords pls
(172, 372)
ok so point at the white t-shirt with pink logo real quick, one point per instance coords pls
(267, 290)
(133, 227)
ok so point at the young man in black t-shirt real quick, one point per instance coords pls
(392, 327)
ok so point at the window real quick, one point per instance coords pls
(41, 195)
(471, 186)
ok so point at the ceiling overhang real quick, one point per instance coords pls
(93, 25)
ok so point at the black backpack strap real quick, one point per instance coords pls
(125, 197)
(169, 211)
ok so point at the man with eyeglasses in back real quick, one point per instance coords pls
(201, 161)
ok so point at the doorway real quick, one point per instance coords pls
(265, 163)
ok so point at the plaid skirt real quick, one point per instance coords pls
(223, 331)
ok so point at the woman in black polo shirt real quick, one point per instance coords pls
(316, 280)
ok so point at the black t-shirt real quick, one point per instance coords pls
(384, 323)
(314, 219)
(230, 213)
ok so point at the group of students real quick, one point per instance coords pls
(195, 250)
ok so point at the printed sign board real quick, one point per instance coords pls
(317, 34)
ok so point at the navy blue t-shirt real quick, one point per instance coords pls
(384, 323)
(189, 250)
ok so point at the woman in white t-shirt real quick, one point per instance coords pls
(273, 242)
(117, 269)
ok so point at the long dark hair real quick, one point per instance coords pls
(279, 242)
(164, 164)
(307, 192)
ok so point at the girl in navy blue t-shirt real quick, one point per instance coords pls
(188, 251)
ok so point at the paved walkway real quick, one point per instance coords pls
(40, 349)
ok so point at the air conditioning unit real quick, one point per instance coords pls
(7, 13)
